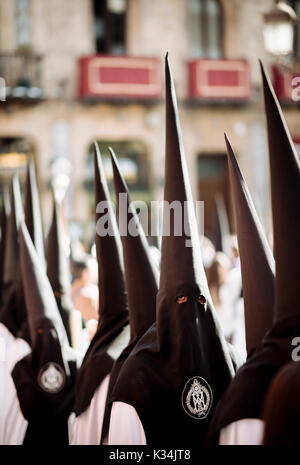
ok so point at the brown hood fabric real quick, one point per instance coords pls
(141, 276)
(179, 369)
(113, 311)
(257, 263)
(285, 192)
(58, 268)
(45, 378)
(13, 309)
(246, 395)
(33, 218)
(5, 212)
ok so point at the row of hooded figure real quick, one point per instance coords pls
(158, 369)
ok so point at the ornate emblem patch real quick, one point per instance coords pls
(197, 398)
(51, 378)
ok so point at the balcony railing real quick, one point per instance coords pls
(22, 75)
(115, 77)
(219, 80)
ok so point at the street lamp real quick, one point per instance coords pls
(279, 29)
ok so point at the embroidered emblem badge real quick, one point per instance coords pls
(197, 398)
(51, 378)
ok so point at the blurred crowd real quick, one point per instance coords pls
(223, 275)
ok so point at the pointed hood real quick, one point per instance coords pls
(13, 310)
(12, 251)
(44, 379)
(113, 310)
(222, 233)
(184, 354)
(245, 399)
(33, 217)
(112, 298)
(257, 263)
(285, 193)
(40, 301)
(181, 261)
(58, 268)
(141, 276)
(140, 271)
(57, 263)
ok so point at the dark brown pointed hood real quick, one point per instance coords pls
(141, 273)
(112, 298)
(184, 352)
(285, 192)
(141, 276)
(245, 399)
(181, 259)
(113, 310)
(40, 300)
(33, 217)
(13, 311)
(44, 379)
(257, 263)
(16, 215)
(58, 268)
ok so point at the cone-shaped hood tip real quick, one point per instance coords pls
(112, 154)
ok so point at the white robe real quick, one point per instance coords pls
(6, 338)
(125, 427)
(12, 423)
(246, 432)
(86, 429)
(239, 334)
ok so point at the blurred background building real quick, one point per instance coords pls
(83, 70)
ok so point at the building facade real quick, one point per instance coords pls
(81, 70)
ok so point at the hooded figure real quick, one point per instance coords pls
(245, 397)
(5, 334)
(13, 310)
(255, 255)
(44, 379)
(32, 209)
(141, 276)
(14, 331)
(58, 269)
(179, 369)
(112, 333)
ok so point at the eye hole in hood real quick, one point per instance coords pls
(201, 299)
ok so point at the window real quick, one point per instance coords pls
(13, 157)
(133, 160)
(205, 28)
(212, 182)
(22, 16)
(110, 17)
